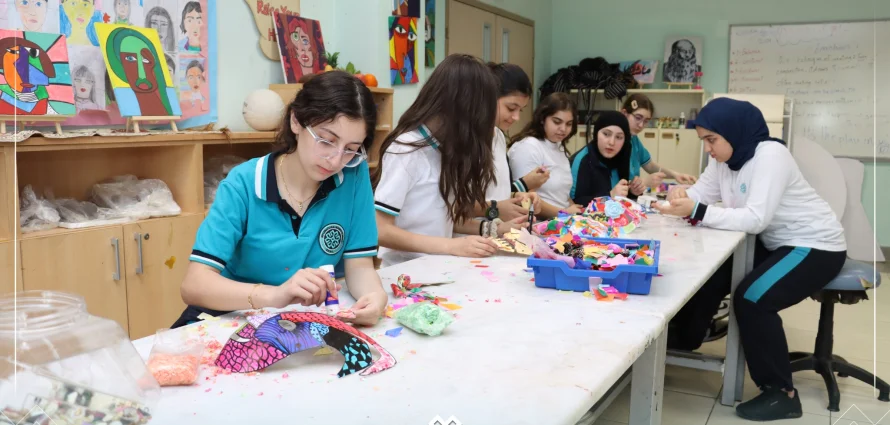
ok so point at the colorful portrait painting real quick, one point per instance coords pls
(300, 45)
(191, 27)
(402, 50)
(194, 95)
(34, 74)
(77, 19)
(138, 71)
(429, 34)
(30, 15)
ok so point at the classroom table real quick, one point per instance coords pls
(515, 354)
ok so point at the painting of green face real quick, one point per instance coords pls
(139, 65)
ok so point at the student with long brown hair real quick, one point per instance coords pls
(542, 143)
(436, 165)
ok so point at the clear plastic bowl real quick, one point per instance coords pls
(58, 360)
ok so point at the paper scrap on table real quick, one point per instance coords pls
(324, 351)
(394, 332)
(450, 306)
(205, 316)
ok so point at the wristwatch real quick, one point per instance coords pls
(492, 212)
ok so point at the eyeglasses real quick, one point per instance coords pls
(326, 149)
(641, 119)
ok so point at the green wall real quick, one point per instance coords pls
(636, 29)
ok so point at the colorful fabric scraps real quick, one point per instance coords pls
(593, 255)
(424, 318)
(267, 339)
(605, 217)
(405, 289)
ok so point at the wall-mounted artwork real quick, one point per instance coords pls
(643, 71)
(88, 78)
(33, 16)
(77, 19)
(186, 35)
(402, 50)
(301, 46)
(194, 95)
(35, 77)
(122, 12)
(138, 71)
(682, 59)
(430, 33)
(262, 14)
(406, 8)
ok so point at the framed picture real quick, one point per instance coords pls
(643, 71)
(682, 59)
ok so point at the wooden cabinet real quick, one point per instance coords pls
(649, 138)
(9, 280)
(156, 256)
(88, 263)
(494, 35)
(679, 150)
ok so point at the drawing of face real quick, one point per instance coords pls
(83, 86)
(32, 13)
(162, 25)
(403, 35)
(301, 42)
(23, 65)
(427, 29)
(193, 23)
(685, 49)
(79, 12)
(122, 9)
(139, 65)
(194, 78)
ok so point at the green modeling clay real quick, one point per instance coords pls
(425, 318)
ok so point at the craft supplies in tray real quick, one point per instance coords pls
(604, 217)
(68, 360)
(628, 265)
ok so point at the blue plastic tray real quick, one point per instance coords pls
(630, 278)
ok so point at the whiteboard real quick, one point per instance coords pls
(828, 71)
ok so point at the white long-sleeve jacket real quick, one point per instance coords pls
(769, 197)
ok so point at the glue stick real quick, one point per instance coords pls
(331, 301)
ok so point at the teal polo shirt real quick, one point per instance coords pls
(253, 235)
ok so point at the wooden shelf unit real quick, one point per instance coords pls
(383, 98)
(128, 272)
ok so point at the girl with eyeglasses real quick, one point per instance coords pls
(639, 110)
(278, 219)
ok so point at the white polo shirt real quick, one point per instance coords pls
(409, 190)
(530, 153)
(500, 190)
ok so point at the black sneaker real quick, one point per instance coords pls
(771, 405)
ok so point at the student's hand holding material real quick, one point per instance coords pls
(574, 209)
(536, 178)
(306, 287)
(684, 178)
(529, 198)
(472, 246)
(368, 309)
(681, 207)
(655, 179)
(677, 192)
(517, 223)
(620, 189)
(637, 187)
(512, 208)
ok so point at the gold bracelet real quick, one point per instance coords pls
(250, 296)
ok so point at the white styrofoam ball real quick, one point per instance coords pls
(263, 110)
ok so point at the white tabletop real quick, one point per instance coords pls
(516, 354)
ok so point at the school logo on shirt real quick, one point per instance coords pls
(743, 188)
(331, 238)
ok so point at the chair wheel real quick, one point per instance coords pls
(842, 375)
(884, 396)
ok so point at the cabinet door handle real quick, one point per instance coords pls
(117, 259)
(138, 237)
